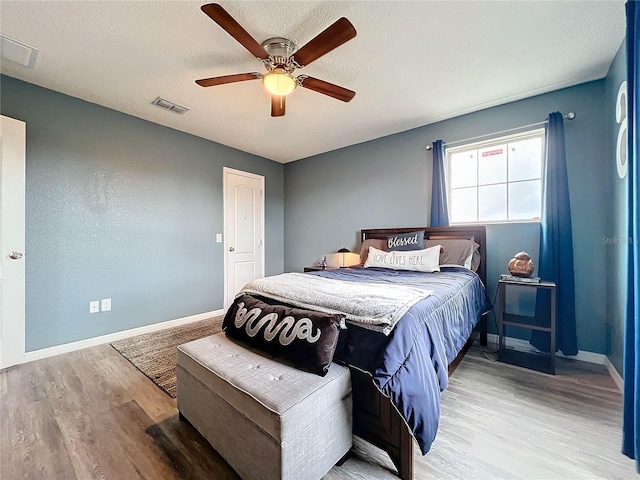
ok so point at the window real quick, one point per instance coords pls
(498, 180)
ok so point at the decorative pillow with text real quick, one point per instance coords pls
(305, 338)
(427, 260)
(378, 243)
(406, 241)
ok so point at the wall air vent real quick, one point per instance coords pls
(172, 107)
(17, 51)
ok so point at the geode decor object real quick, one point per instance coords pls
(521, 265)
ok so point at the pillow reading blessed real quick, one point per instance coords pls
(427, 260)
(406, 241)
(306, 338)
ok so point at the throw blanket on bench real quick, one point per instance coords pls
(370, 305)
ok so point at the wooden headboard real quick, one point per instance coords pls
(477, 232)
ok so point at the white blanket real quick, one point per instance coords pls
(370, 305)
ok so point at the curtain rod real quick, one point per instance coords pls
(568, 116)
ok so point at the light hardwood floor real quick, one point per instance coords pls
(91, 414)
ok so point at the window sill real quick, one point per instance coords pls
(503, 222)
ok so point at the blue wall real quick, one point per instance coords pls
(123, 208)
(615, 243)
(386, 183)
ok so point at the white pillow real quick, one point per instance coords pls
(426, 260)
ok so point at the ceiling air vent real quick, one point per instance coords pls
(17, 51)
(167, 105)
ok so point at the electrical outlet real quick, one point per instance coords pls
(218, 238)
(94, 306)
(106, 304)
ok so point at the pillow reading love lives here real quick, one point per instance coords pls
(378, 243)
(427, 260)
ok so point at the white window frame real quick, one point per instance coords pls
(538, 132)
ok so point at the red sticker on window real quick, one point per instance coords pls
(488, 153)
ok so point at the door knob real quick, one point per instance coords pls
(15, 255)
(231, 249)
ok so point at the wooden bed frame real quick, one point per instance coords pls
(375, 418)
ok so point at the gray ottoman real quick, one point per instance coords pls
(268, 420)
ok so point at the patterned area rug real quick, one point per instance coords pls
(155, 354)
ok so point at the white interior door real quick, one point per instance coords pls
(243, 230)
(12, 187)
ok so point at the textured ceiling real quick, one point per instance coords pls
(411, 64)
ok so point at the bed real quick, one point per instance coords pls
(397, 376)
(376, 418)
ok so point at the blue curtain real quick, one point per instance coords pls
(439, 212)
(631, 367)
(556, 245)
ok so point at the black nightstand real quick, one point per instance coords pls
(535, 361)
(318, 268)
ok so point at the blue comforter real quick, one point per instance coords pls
(410, 364)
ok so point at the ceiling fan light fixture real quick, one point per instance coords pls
(281, 58)
(279, 82)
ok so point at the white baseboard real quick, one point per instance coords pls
(614, 374)
(515, 343)
(583, 356)
(112, 337)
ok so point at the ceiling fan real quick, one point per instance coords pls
(280, 58)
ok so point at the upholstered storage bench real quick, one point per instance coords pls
(268, 420)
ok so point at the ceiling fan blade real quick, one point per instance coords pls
(239, 77)
(277, 105)
(340, 32)
(326, 88)
(233, 28)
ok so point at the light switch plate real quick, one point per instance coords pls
(218, 238)
(94, 306)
